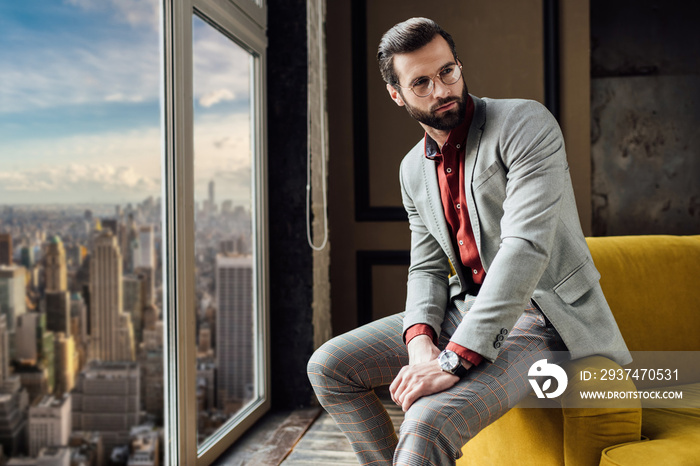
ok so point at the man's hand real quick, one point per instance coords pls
(418, 380)
(421, 349)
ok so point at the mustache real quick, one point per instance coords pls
(444, 101)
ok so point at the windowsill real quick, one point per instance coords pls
(271, 439)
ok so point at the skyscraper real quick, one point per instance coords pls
(57, 305)
(235, 355)
(13, 418)
(66, 361)
(212, 200)
(106, 399)
(4, 350)
(5, 249)
(12, 294)
(145, 254)
(55, 266)
(105, 297)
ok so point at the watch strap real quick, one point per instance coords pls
(460, 371)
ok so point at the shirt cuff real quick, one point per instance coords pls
(420, 329)
(464, 353)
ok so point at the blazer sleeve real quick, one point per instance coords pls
(428, 274)
(531, 147)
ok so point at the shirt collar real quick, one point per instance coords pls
(457, 136)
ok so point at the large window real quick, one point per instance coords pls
(132, 228)
(216, 209)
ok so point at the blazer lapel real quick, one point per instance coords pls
(470, 156)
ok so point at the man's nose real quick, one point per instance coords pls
(440, 89)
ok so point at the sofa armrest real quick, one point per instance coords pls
(591, 426)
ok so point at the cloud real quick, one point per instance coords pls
(132, 12)
(78, 178)
(214, 97)
(50, 64)
(119, 97)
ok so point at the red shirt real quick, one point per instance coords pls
(450, 171)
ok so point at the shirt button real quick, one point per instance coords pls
(461, 242)
(459, 206)
(449, 170)
(458, 146)
(476, 272)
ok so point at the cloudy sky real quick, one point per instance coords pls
(80, 109)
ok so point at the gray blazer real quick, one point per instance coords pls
(523, 214)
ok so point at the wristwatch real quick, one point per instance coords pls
(450, 362)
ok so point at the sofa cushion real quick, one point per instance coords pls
(519, 433)
(673, 436)
(650, 283)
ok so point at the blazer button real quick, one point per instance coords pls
(504, 331)
(497, 344)
(500, 337)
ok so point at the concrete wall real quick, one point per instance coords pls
(645, 99)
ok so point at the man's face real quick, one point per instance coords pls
(445, 108)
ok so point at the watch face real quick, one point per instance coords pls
(449, 361)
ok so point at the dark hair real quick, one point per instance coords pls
(406, 37)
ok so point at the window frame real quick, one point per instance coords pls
(245, 22)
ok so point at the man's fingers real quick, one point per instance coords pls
(395, 387)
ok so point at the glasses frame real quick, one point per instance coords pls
(432, 81)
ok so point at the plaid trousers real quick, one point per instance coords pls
(346, 369)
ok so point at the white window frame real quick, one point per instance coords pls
(245, 22)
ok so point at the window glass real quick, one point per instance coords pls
(81, 360)
(225, 249)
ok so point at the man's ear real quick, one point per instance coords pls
(395, 96)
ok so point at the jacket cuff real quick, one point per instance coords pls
(464, 353)
(419, 329)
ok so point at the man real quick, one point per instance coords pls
(500, 273)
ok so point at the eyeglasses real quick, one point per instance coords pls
(423, 87)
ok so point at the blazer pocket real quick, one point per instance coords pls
(578, 282)
(484, 176)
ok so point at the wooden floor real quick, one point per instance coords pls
(324, 444)
(302, 437)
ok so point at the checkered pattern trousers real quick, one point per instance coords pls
(345, 371)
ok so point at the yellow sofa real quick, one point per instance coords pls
(652, 284)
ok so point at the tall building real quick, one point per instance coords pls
(151, 362)
(50, 423)
(234, 331)
(57, 297)
(106, 399)
(129, 240)
(28, 334)
(27, 256)
(56, 273)
(67, 360)
(57, 305)
(145, 253)
(133, 290)
(147, 277)
(105, 297)
(12, 294)
(5, 249)
(212, 200)
(14, 401)
(35, 352)
(4, 350)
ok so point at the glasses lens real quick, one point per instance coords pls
(451, 74)
(423, 88)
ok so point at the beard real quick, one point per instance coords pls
(445, 121)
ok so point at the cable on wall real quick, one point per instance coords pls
(322, 125)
